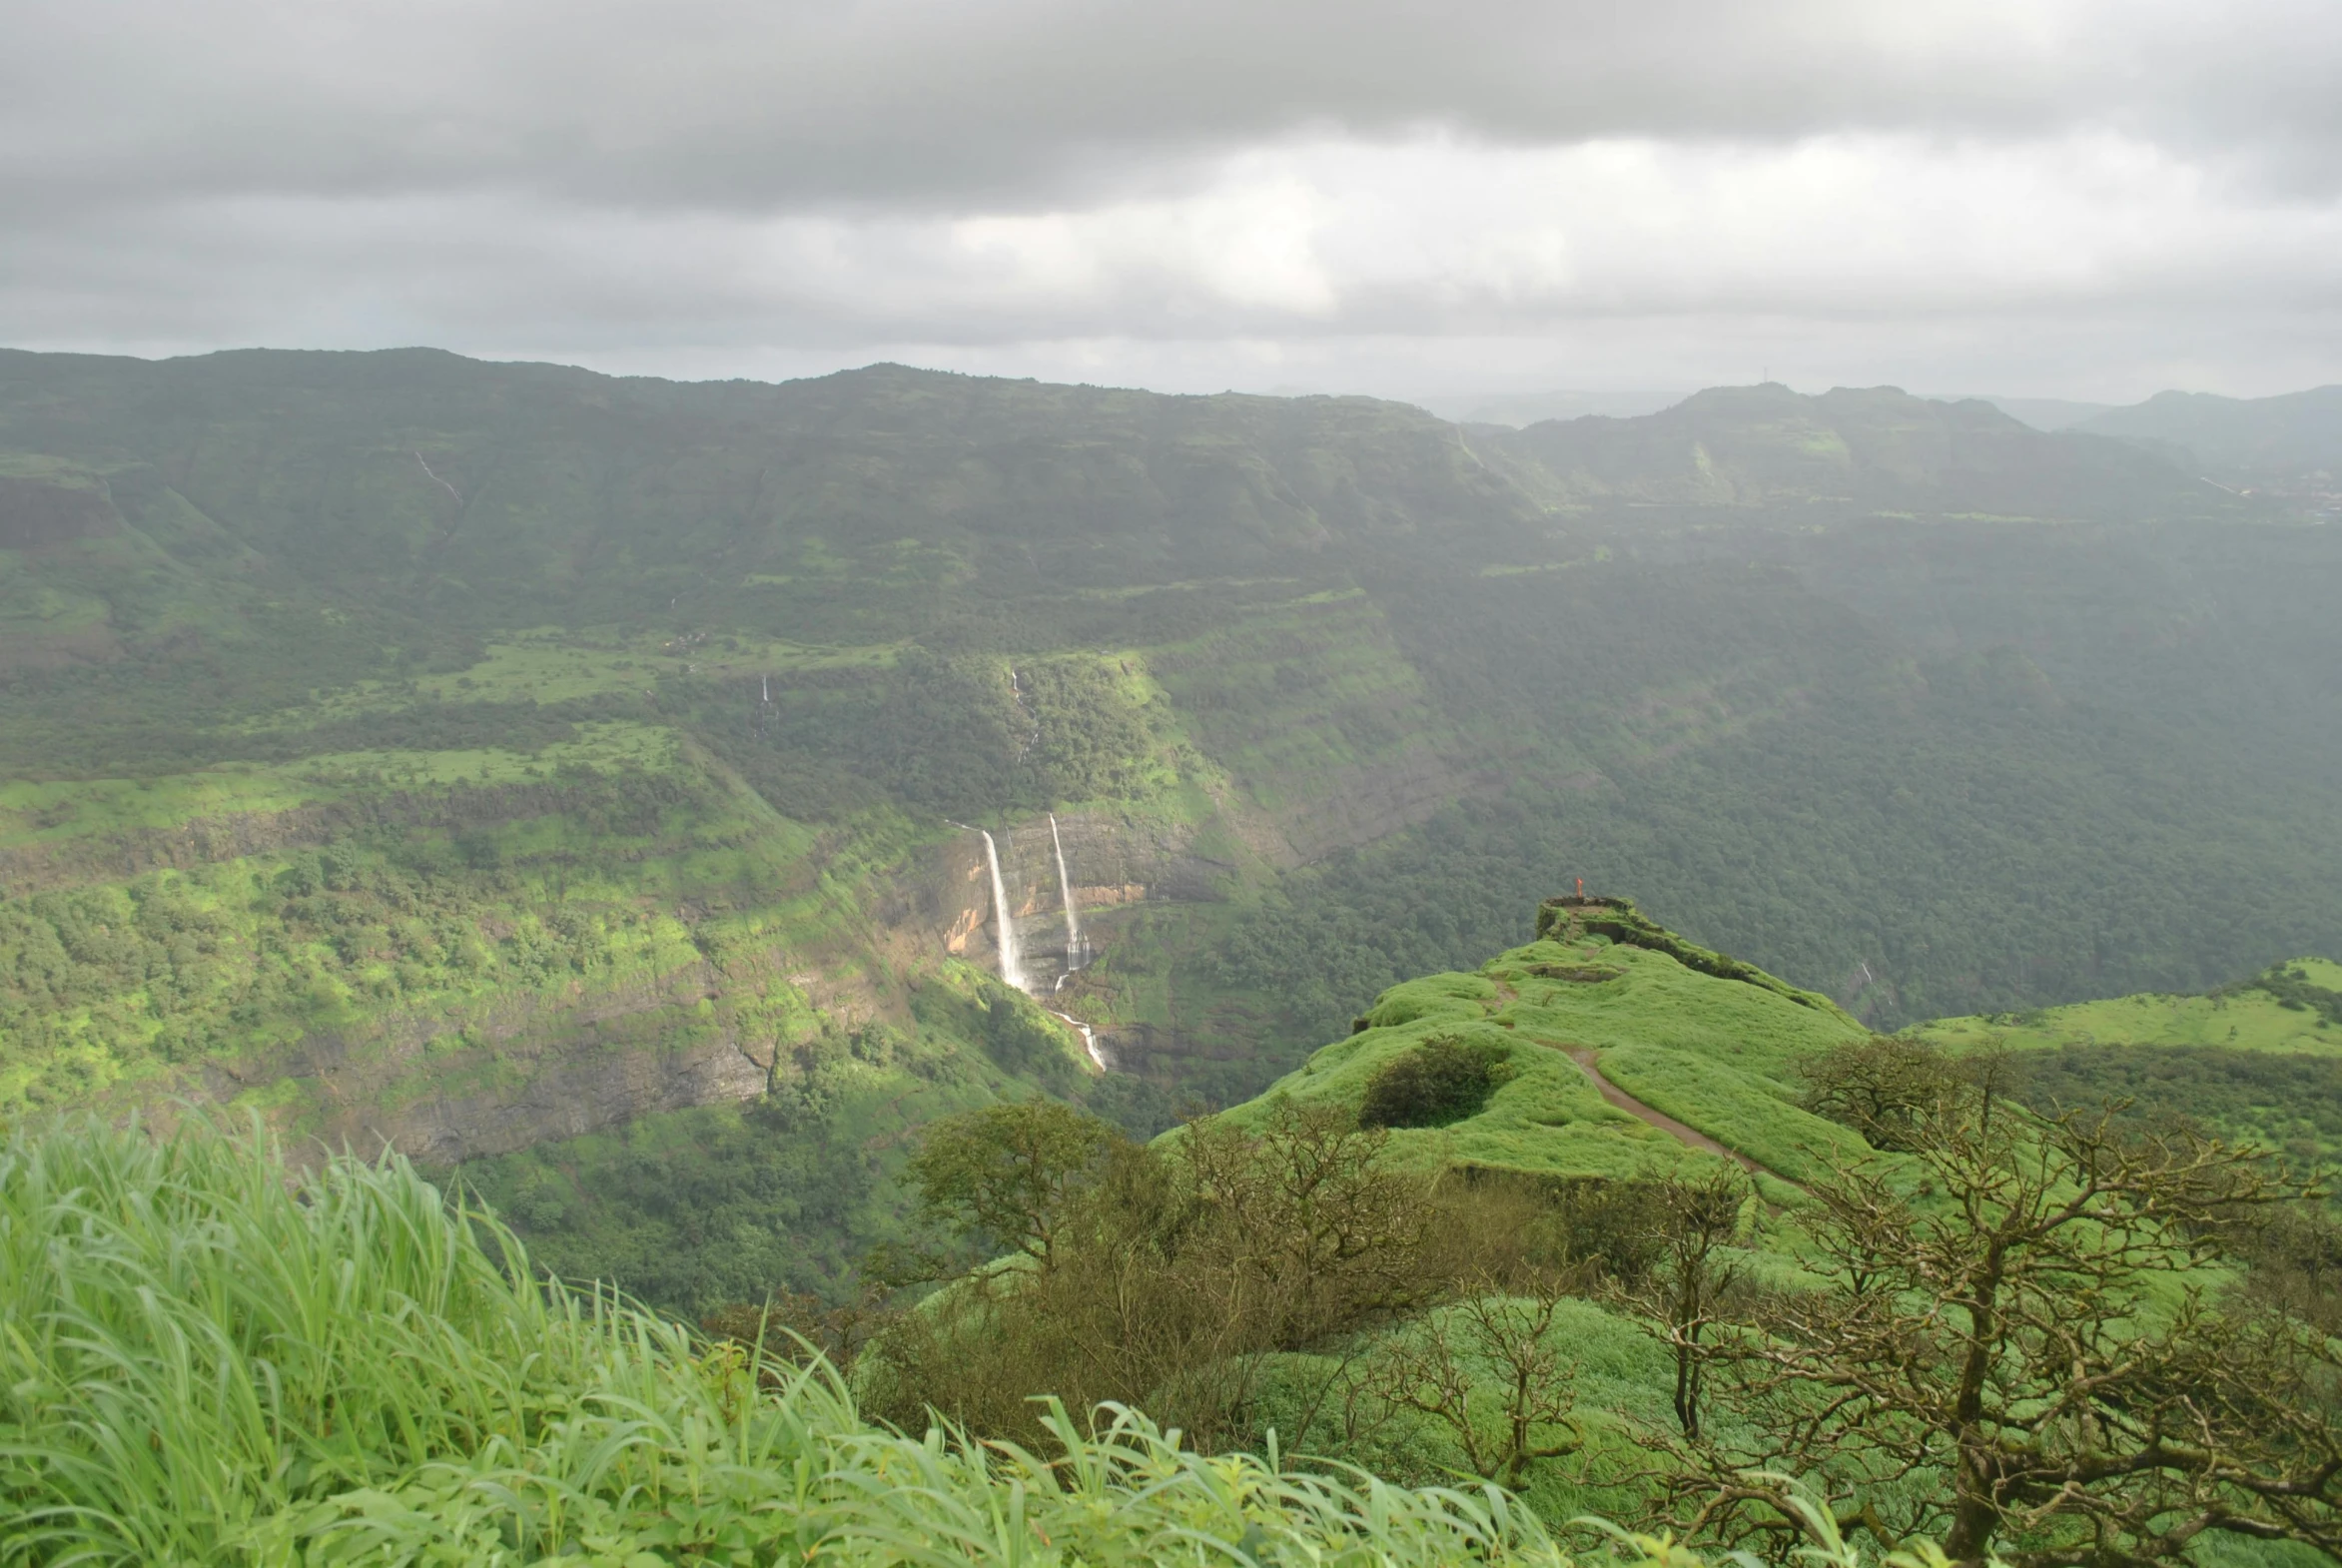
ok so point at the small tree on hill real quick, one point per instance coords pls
(1884, 1088)
(2019, 1350)
(1696, 1219)
(1169, 1276)
(1011, 1172)
(1307, 1211)
(1490, 1369)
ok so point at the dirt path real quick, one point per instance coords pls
(1588, 1060)
(1585, 1057)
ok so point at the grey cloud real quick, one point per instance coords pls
(936, 106)
(1199, 192)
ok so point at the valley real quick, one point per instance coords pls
(579, 783)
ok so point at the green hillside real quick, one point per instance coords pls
(1716, 1046)
(1715, 1052)
(1524, 1192)
(2293, 1007)
(575, 779)
(367, 1378)
(2259, 1059)
(1455, 1341)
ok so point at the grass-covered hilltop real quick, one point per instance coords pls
(581, 784)
(1613, 1225)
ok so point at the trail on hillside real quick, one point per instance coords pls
(1587, 1060)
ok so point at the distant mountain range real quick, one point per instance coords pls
(1873, 448)
(2255, 441)
(2286, 447)
(1764, 445)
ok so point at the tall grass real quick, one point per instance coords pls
(206, 1360)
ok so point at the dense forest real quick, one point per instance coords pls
(575, 779)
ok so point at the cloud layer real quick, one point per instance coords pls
(1406, 198)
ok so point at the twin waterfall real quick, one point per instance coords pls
(1004, 918)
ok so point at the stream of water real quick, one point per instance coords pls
(1075, 954)
(1012, 965)
(1005, 925)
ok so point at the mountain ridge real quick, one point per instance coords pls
(522, 764)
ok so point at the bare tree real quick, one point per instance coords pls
(1884, 1088)
(1698, 1217)
(1309, 1211)
(1489, 1369)
(1168, 1274)
(2021, 1328)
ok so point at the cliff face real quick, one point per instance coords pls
(516, 1033)
(510, 1079)
(940, 901)
(445, 1084)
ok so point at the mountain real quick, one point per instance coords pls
(1875, 448)
(1519, 409)
(1497, 1291)
(582, 782)
(2289, 445)
(1649, 1052)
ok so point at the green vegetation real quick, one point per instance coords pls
(1006, 1174)
(2291, 1104)
(209, 1363)
(2051, 1338)
(1532, 1289)
(535, 770)
(1443, 1080)
(2283, 1009)
(1619, 920)
(1719, 1055)
(793, 1191)
(2259, 1059)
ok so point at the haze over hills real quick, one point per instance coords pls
(829, 832)
(2043, 414)
(2288, 447)
(496, 757)
(1874, 449)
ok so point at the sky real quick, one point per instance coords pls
(1446, 202)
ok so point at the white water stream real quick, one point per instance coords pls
(1012, 967)
(1088, 1038)
(1012, 964)
(1076, 955)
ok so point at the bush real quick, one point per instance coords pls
(1443, 1080)
(1883, 1087)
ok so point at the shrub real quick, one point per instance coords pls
(1443, 1080)
(1884, 1088)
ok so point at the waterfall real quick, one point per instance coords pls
(1088, 1039)
(1017, 694)
(1074, 954)
(1012, 970)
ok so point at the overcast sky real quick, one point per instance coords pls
(1435, 199)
